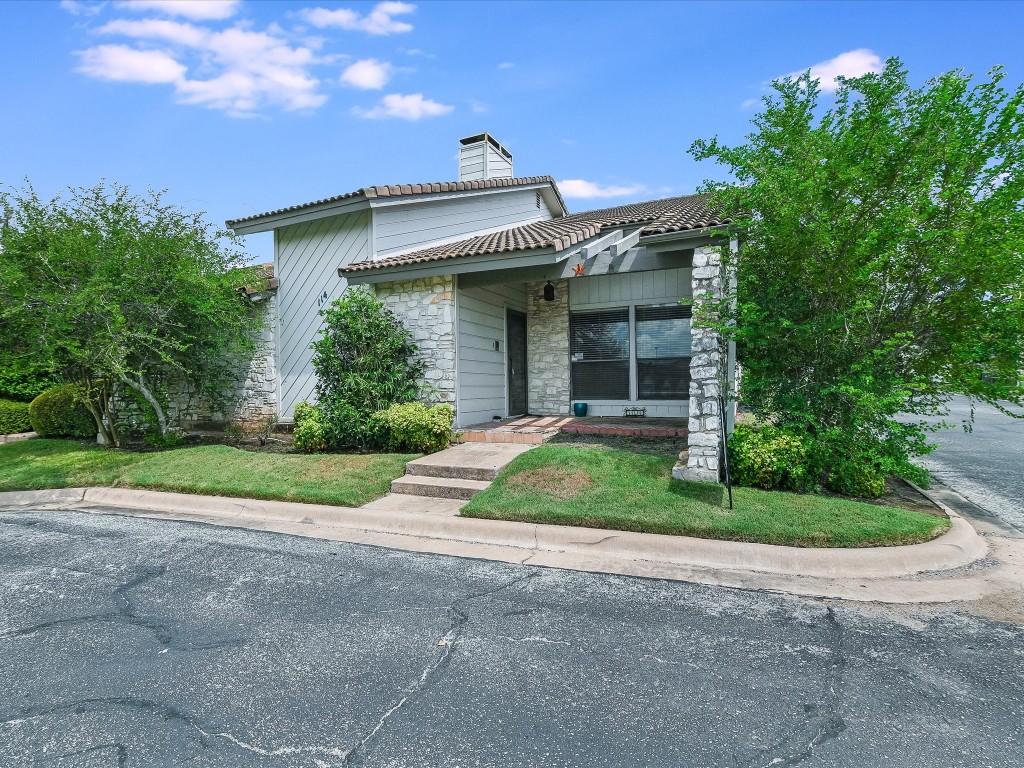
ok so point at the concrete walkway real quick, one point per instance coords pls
(950, 568)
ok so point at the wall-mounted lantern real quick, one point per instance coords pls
(549, 292)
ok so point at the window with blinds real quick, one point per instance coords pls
(663, 352)
(599, 354)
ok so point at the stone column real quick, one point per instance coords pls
(707, 370)
(547, 349)
(427, 308)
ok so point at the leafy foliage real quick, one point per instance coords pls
(23, 380)
(881, 266)
(118, 289)
(407, 427)
(365, 362)
(14, 417)
(310, 428)
(60, 412)
(768, 458)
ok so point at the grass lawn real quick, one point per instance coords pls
(623, 490)
(347, 480)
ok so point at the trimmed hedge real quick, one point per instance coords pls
(769, 458)
(310, 428)
(413, 427)
(14, 417)
(58, 413)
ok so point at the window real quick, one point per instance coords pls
(599, 352)
(663, 352)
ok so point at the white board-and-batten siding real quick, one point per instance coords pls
(307, 257)
(402, 228)
(481, 386)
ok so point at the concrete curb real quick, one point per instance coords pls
(958, 547)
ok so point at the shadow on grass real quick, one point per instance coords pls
(706, 493)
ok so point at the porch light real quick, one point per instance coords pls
(549, 292)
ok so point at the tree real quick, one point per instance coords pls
(365, 361)
(881, 266)
(119, 289)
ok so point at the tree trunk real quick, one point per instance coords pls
(140, 387)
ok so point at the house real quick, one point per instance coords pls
(518, 306)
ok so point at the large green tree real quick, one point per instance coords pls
(121, 289)
(881, 266)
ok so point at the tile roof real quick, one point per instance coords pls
(399, 190)
(671, 214)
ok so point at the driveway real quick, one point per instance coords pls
(985, 465)
(136, 642)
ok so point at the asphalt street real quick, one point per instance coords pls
(132, 642)
(985, 464)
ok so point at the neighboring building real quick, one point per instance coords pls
(517, 306)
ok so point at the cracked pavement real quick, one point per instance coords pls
(134, 642)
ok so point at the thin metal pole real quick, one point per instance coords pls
(725, 446)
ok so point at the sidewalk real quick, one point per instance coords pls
(937, 571)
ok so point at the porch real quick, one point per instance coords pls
(534, 430)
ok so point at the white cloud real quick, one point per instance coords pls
(749, 103)
(479, 107)
(405, 107)
(197, 10)
(379, 21)
(368, 74)
(588, 189)
(121, 63)
(81, 7)
(506, 65)
(243, 71)
(850, 64)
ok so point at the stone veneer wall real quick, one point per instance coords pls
(253, 397)
(706, 375)
(427, 308)
(547, 349)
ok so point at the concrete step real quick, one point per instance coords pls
(466, 462)
(420, 505)
(438, 487)
(506, 437)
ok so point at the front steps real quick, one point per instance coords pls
(439, 487)
(459, 472)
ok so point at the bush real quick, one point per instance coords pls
(365, 362)
(59, 412)
(413, 427)
(310, 428)
(766, 457)
(24, 381)
(13, 417)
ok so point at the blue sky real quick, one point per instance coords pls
(241, 107)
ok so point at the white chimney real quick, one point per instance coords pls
(482, 157)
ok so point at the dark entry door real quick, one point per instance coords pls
(515, 329)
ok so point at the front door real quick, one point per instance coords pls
(515, 325)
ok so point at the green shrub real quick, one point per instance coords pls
(766, 457)
(365, 361)
(13, 417)
(413, 427)
(59, 412)
(310, 428)
(24, 381)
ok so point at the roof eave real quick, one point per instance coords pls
(300, 214)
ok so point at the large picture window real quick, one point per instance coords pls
(599, 353)
(663, 352)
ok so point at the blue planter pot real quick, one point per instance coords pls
(580, 409)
